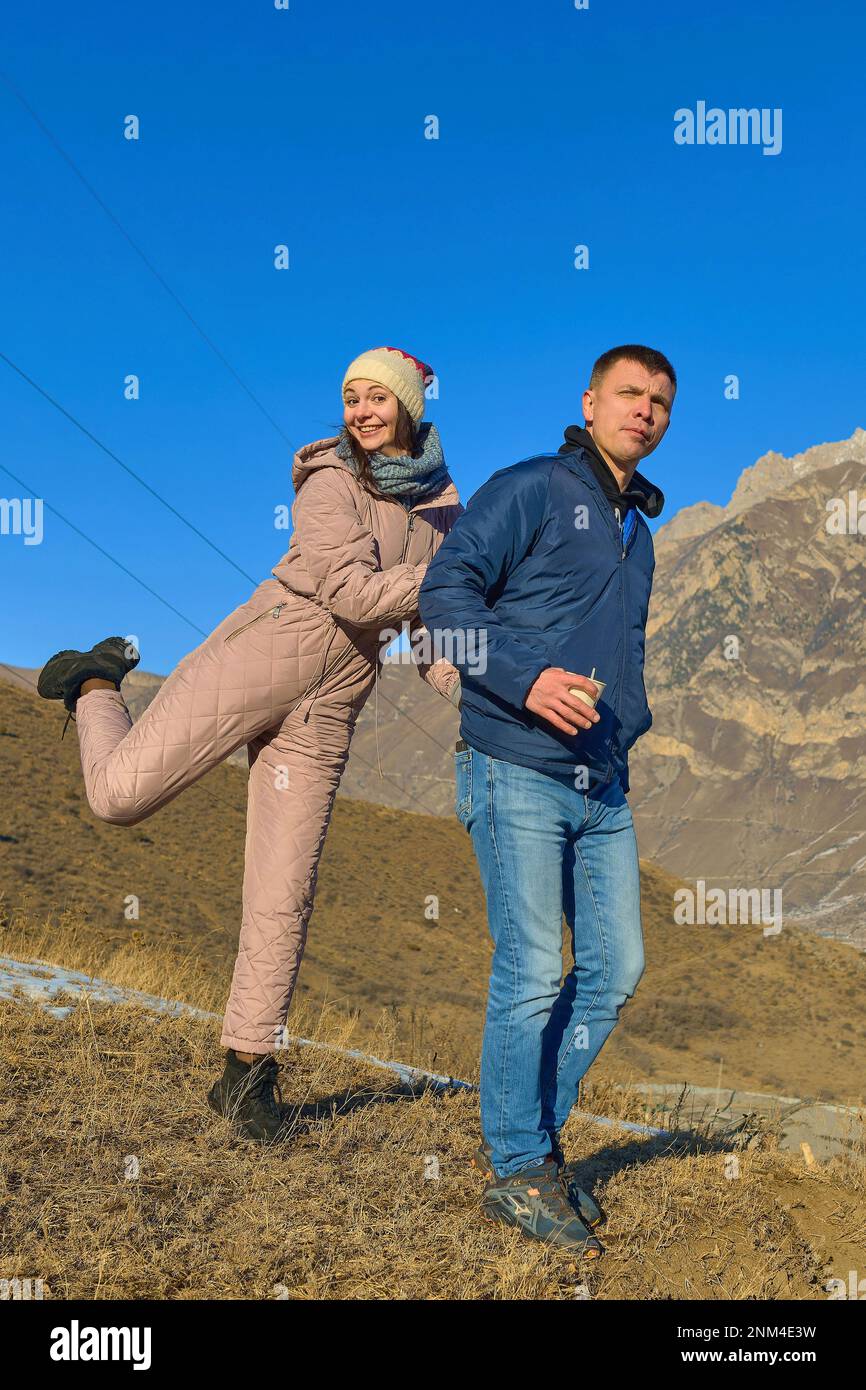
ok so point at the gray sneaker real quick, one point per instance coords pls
(534, 1200)
(583, 1204)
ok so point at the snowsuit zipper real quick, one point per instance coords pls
(274, 612)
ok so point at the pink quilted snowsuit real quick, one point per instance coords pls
(286, 673)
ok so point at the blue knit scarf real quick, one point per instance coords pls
(408, 478)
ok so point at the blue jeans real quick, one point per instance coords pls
(544, 849)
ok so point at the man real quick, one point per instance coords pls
(549, 570)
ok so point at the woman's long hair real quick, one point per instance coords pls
(405, 439)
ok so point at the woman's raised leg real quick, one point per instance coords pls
(243, 679)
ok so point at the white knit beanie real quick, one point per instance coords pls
(402, 373)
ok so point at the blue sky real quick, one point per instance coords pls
(306, 127)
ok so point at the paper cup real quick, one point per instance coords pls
(583, 694)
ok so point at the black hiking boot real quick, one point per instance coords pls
(63, 675)
(535, 1201)
(244, 1094)
(583, 1204)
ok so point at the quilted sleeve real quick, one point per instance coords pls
(440, 674)
(339, 551)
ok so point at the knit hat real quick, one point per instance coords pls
(402, 373)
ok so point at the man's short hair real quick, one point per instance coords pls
(650, 358)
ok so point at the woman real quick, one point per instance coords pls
(287, 674)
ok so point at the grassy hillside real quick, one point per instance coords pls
(786, 1013)
(117, 1182)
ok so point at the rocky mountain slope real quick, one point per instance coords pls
(754, 773)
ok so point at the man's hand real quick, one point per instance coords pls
(550, 699)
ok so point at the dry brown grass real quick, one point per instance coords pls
(172, 968)
(344, 1210)
(784, 1014)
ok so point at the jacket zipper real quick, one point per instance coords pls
(623, 550)
(277, 609)
(410, 524)
(274, 612)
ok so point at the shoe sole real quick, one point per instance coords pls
(53, 688)
(584, 1252)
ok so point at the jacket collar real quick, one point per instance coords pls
(448, 497)
(322, 453)
(640, 493)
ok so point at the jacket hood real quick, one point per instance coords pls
(322, 453)
(641, 492)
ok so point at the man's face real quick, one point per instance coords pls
(628, 414)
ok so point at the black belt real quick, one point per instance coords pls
(461, 746)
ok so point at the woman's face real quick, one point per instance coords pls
(370, 413)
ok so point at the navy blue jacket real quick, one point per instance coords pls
(539, 569)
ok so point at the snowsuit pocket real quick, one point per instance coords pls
(273, 612)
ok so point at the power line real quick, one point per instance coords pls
(182, 518)
(148, 263)
(131, 471)
(432, 737)
(113, 558)
(113, 456)
(32, 491)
